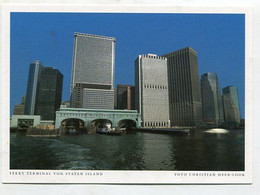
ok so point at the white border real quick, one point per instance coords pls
(152, 177)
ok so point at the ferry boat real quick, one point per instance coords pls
(109, 131)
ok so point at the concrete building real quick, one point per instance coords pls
(92, 79)
(211, 99)
(32, 86)
(126, 97)
(151, 90)
(231, 105)
(19, 108)
(49, 93)
(87, 118)
(184, 88)
(25, 121)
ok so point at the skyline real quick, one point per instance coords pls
(218, 39)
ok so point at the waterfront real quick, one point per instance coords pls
(136, 151)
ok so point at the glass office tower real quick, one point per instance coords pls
(49, 93)
(231, 105)
(32, 86)
(92, 80)
(211, 99)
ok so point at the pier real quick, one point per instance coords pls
(176, 131)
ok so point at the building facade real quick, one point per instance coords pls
(231, 105)
(126, 97)
(212, 106)
(89, 116)
(32, 86)
(19, 121)
(19, 108)
(49, 93)
(115, 98)
(151, 90)
(184, 88)
(92, 80)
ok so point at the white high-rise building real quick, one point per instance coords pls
(92, 80)
(152, 97)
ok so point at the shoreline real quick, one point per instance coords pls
(57, 133)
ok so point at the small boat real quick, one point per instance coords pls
(122, 129)
(103, 130)
(108, 131)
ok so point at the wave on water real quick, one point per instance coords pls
(217, 131)
(71, 156)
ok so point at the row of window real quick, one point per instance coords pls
(155, 57)
(155, 124)
(150, 86)
(95, 36)
(84, 115)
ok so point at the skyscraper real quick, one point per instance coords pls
(49, 93)
(92, 80)
(151, 90)
(231, 105)
(184, 87)
(32, 86)
(211, 99)
(126, 97)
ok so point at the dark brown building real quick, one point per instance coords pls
(126, 97)
(19, 109)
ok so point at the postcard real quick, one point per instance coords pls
(126, 95)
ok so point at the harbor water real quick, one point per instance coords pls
(200, 150)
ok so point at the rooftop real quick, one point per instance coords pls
(181, 50)
(94, 36)
(152, 56)
(96, 110)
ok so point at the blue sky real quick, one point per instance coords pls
(219, 40)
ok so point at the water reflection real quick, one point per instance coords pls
(157, 152)
(217, 131)
(137, 151)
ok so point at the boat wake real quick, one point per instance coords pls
(217, 131)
